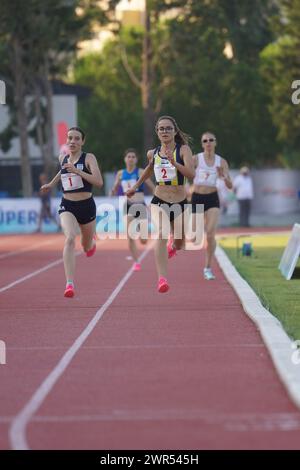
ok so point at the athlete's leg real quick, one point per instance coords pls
(162, 226)
(211, 222)
(88, 232)
(131, 242)
(178, 228)
(70, 228)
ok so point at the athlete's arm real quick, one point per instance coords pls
(195, 160)
(116, 184)
(148, 171)
(223, 173)
(148, 182)
(188, 169)
(46, 187)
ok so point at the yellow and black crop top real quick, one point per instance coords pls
(165, 172)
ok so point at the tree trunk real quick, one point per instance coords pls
(39, 122)
(49, 147)
(147, 82)
(22, 120)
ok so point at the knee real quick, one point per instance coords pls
(210, 235)
(70, 240)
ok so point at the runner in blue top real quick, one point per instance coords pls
(136, 207)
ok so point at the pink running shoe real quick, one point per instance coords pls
(69, 292)
(93, 249)
(171, 249)
(137, 267)
(163, 285)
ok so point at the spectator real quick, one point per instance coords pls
(45, 211)
(243, 188)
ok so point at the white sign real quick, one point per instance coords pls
(2, 352)
(291, 254)
(2, 92)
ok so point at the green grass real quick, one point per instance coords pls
(279, 296)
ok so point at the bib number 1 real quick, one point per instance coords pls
(71, 181)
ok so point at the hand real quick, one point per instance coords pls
(220, 171)
(130, 192)
(70, 168)
(45, 188)
(169, 154)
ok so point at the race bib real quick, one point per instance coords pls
(164, 172)
(127, 184)
(71, 181)
(207, 177)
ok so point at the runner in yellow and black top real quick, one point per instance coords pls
(171, 163)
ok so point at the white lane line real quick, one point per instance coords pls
(140, 346)
(38, 271)
(234, 422)
(17, 431)
(278, 343)
(33, 273)
(231, 422)
(28, 248)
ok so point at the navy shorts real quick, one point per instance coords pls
(136, 209)
(173, 212)
(84, 211)
(208, 200)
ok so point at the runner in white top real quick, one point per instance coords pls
(209, 167)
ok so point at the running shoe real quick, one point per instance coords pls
(171, 249)
(208, 274)
(69, 292)
(137, 267)
(163, 285)
(93, 249)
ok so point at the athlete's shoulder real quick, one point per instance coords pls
(61, 158)
(222, 160)
(150, 154)
(185, 147)
(185, 150)
(89, 156)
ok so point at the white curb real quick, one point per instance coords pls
(282, 349)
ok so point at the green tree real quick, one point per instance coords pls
(280, 65)
(192, 79)
(112, 116)
(39, 40)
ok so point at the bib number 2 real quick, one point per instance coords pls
(164, 174)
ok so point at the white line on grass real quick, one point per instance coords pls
(275, 338)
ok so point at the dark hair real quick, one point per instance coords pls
(75, 128)
(181, 137)
(130, 150)
(208, 132)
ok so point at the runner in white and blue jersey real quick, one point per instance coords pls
(136, 207)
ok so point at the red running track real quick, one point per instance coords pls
(182, 370)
